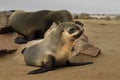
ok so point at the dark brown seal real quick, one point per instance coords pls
(33, 25)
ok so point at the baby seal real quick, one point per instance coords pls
(54, 50)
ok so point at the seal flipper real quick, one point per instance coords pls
(20, 41)
(23, 50)
(42, 70)
(6, 30)
(47, 67)
(68, 63)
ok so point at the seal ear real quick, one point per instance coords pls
(79, 23)
(54, 25)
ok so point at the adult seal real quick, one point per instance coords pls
(55, 49)
(33, 25)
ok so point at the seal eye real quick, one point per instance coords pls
(79, 23)
(72, 30)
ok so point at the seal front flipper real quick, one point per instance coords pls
(20, 41)
(48, 66)
(42, 70)
(68, 63)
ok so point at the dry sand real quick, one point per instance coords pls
(103, 34)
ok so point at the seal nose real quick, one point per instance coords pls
(72, 30)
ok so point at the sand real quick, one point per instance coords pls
(103, 34)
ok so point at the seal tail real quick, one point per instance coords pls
(23, 50)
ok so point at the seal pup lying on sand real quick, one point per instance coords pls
(55, 49)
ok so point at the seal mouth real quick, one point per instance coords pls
(79, 33)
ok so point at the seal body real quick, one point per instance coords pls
(33, 25)
(54, 50)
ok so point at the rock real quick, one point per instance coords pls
(82, 47)
(3, 20)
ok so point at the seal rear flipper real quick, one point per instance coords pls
(68, 63)
(6, 30)
(5, 51)
(48, 66)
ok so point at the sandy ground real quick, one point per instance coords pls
(103, 34)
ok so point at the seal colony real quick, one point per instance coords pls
(33, 25)
(55, 49)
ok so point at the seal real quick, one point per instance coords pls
(54, 50)
(33, 25)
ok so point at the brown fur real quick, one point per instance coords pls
(33, 25)
(54, 50)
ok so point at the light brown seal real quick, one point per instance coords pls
(54, 50)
